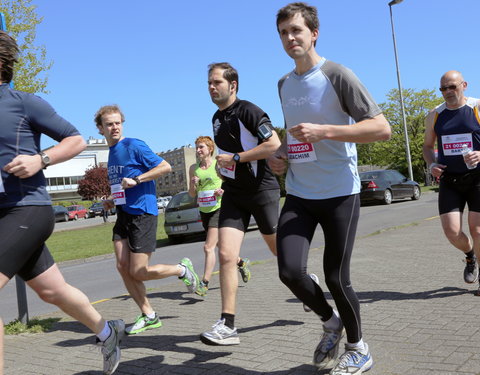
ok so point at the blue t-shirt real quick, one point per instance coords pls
(129, 158)
(24, 118)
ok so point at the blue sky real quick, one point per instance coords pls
(151, 56)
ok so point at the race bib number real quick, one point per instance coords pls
(118, 194)
(206, 198)
(299, 152)
(452, 144)
(227, 171)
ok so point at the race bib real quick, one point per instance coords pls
(452, 144)
(227, 171)
(206, 198)
(118, 194)
(299, 152)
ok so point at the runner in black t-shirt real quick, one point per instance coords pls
(244, 136)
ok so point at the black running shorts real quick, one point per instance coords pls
(23, 232)
(210, 219)
(140, 230)
(237, 208)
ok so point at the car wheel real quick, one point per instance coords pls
(75, 217)
(387, 196)
(65, 218)
(416, 193)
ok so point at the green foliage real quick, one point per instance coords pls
(392, 154)
(22, 21)
(33, 326)
(95, 183)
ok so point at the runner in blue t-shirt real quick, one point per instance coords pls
(26, 215)
(132, 170)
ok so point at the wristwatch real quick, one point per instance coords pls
(45, 159)
(137, 180)
(236, 158)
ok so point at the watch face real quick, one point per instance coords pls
(45, 158)
(236, 158)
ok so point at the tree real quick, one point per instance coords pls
(392, 153)
(22, 21)
(94, 184)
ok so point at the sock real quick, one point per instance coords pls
(183, 270)
(240, 263)
(358, 346)
(205, 282)
(151, 315)
(334, 322)
(105, 332)
(470, 254)
(229, 320)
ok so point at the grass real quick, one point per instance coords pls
(33, 326)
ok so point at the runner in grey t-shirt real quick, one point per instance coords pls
(327, 110)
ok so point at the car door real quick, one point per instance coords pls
(399, 186)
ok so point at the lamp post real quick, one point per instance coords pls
(405, 130)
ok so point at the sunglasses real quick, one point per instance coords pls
(451, 87)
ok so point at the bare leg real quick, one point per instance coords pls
(52, 288)
(209, 249)
(230, 241)
(452, 227)
(271, 241)
(474, 225)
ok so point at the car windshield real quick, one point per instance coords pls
(182, 200)
(368, 175)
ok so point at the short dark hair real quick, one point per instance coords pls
(106, 110)
(8, 56)
(308, 12)
(229, 72)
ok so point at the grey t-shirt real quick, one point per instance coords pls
(328, 93)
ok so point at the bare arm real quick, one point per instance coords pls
(278, 162)
(369, 130)
(192, 181)
(161, 169)
(24, 166)
(429, 141)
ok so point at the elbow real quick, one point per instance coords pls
(79, 144)
(385, 132)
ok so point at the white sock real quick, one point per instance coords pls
(151, 315)
(183, 270)
(360, 346)
(334, 322)
(105, 333)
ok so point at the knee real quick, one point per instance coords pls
(123, 268)
(207, 249)
(334, 285)
(49, 295)
(290, 277)
(139, 274)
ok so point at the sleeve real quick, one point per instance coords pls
(354, 98)
(252, 117)
(146, 156)
(43, 118)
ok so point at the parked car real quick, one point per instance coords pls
(96, 209)
(76, 212)
(182, 218)
(162, 202)
(387, 185)
(61, 213)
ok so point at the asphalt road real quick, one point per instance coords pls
(100, 280)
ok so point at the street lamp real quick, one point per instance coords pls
(405, 131)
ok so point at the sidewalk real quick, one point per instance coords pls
(419, 318)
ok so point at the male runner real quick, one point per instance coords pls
(132, 169)
(451, 125)
(327, 110)
(244, 136)
(26, 215)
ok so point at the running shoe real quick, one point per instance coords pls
(314, 278)
(220, 334)
(190, 279)
(110, 348)
(353, 362)
(244, 270)
(142, 323)
(470, 273)
(327, 349)
(202, 289)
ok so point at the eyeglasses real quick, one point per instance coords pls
(451, 87)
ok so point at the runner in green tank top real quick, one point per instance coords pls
(206, 185)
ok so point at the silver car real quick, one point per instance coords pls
(182, 217)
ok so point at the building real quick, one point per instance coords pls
(180, 159)
(62, 179)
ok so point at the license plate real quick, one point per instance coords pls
(179, 228)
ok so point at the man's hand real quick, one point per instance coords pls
(225, 160)
(309, 133)
(24, 166)
(437, 169)
(472, 158)
(278, 163)
(218, 192)
(128, 183)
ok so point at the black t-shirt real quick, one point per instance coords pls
(235, 130)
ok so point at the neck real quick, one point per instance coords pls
(206, 161)
(228, 103)
(458, 104)
(305, 63)
(113, 142)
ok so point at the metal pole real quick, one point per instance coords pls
(21, 288)
(405, 130)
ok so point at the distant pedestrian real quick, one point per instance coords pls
(132, 170)
(327, 110)
(104, 215)
(26, 215)
(205, 184)
(448, 127)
